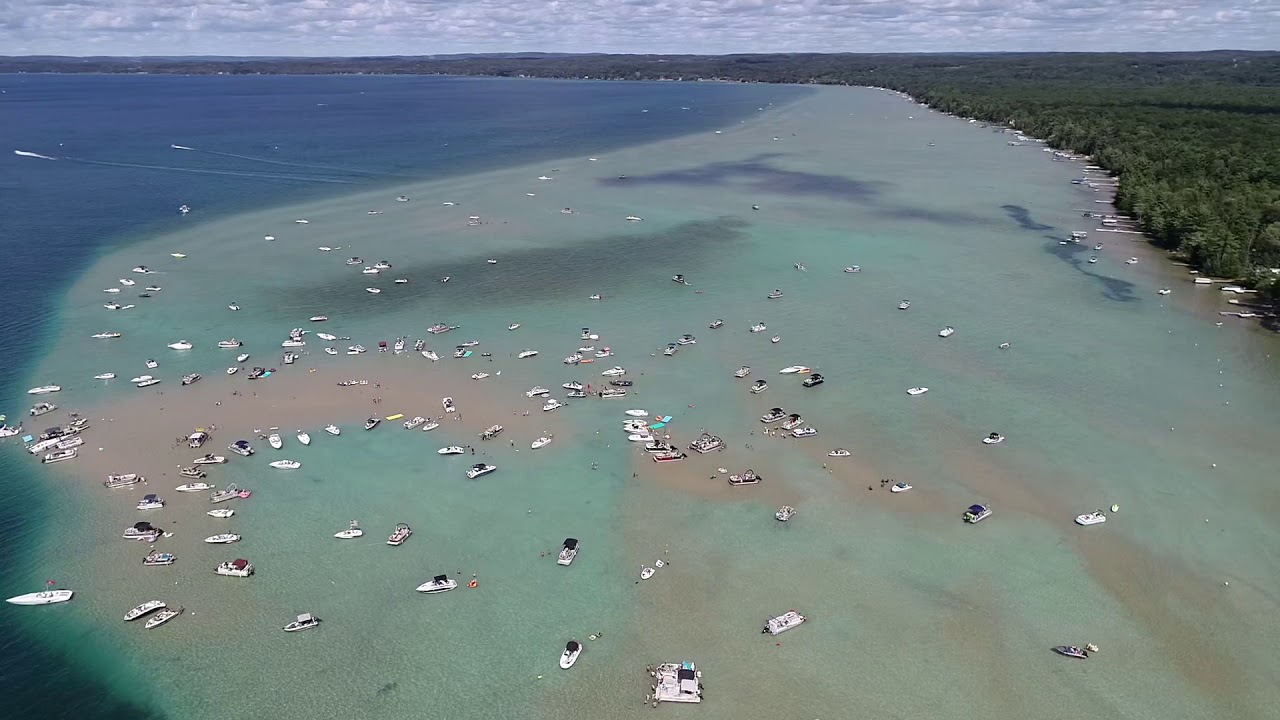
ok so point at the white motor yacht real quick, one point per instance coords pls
(180, 345)
(917, 390)
(784, 622)
(526, 354)
(44, 389)
(900, 487)
(143, 609)
(947, 331)
(332, 429)
(304, 438)
(353, 531)
(415, 422)
(480, 469)
(438, 584)
(573, 648)
(552, 404)
(1094, 518)
(193, 487)
(291, 343)
(646, 573)
(451, 450)
(615, 371)
(540, 442)
(327, 337)
(286, 464)
(223, 539)
(44, 597)
(305, 621)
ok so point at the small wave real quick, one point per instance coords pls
(28, 153)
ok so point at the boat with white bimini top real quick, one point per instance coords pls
(804, 432)
(414, 422)
(229, 344)
(286, 464)
(676, 682)
(236, 568)
(784, 622)
(437, 584)
(353, 531)
(904, 304)
(452, 450)
(706, 443)
(758, 387)
(479, 469)
(1094, 518)
(615, 371)
(568, 552)
(917, 390)
(552, 404)
(143, 609)
(305, 621)
(223, 539)
(646, 573)
(400, 534)
(151, 501)
(742, 372)
(774, 295)
(613, 392)
(572, 649)
(41, 408)
(785, 513)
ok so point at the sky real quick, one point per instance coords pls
(424, 27)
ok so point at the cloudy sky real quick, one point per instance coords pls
(420, 27)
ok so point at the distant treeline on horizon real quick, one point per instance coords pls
(1194, 137)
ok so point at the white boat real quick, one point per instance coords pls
(636, 412)
(758, 327)
(804, 432)
(332, 429)
(900, 487)
(993, 439)
(430, 426)
(479, 375)
(451, 450)
(742, 372)
(1094, 518)
(233, 369)
(758, 387)
(513, 326)
(304, 438)
(235, 568)
(223, 539)
(229, 344)
(44, 390)
(193, 487)
(111, 290)
(105, 376)
(633, 218)
(159, 558)
(292, 343)
(352, 531)
(106, 335)
(785, 513)
(536, 391)
(784, 622)
(127, 282)
(904, 304)
(59, 455)
(210, 460)
(327, 337)
(148, 382)
(274, 441)
(305, 621)
(793, 369)
(917, 390)
(44, 597)
(540, 442)
(568, 552)
(125, 480)
(977, 513)
(615, 371)
(1131, 261)
(233, 306)
(286, 464)
(839, 452)
(646, 573)
(150, 502)
(774, 295)
(947, 331)
(242, 357)
(853, 269)
(573, 648)
(415, 422)
(526, 354)
(1163, 291)
(355, 349)
(302, 221)
(438, 584)
(373, 290)
(428, 354)
(143, 609)
(448, 405)
(180, 345)
(221, 513)
(480, 469)
(399, 534)
(370, 271)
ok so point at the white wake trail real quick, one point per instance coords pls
(28, 153)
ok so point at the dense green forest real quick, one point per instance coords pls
(1193, 137)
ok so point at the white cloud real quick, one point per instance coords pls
(420, 27)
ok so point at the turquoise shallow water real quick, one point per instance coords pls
(913, 613)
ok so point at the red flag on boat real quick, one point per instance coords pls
(50, 582)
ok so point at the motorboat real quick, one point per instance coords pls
(758, 328)
(222, 539)
(142, 531)
(112, 306)
(193, 487)
(286, 464)
(615, 371)
(774, 295)
(613, 392)
(853, 269)
(428, 354)
(304, 438)
(1093, 259)
(438, 584)
(159, 558)
(355, 349)
(105, 376)
(221, 513)
(236, 568)
(552, 404)
(41, 408)
(1072, 651)
(621, 383)
(180, 345)
(671, 349)
(993, 439)
(124, 480)
(814, 379)
(785, 513)
(9, 430)
(900, 487)
(193, 472)
(536, 391)
(107, 335)
(637, 412)
(327, 337)
(402, 281)
(332, 429)
(441, 328)
(774, 415)
(59, 455)
(44, 597)
(601, 353)
(451, 450)
(233, 306)
(917, 390)
(415, 422)
(289, 358)
(573, 385)
(568, 552)
(526, 353)
(150, 501)
(666, 456)
(68, 443)
(680, 279)
(588, 335)
(706, 442)
(146, 607)
(716, 324)
(44, 390)
(1131, 261)
(1163, 291)
(242, 357)
(154, 288)
(977, 513)
(241, 447)
(747, 477)
(947, 331)
(399, 346)
(758, 387)
(646, 573)
(686, 339)
(513, 326)
(210, 459)
(372, 423)
(127, 282)
(460, 352)
(792, 422)
(742, 372)
(305, 621)
(573, 648)
(782, 623)
(148, 382)
(904, 304)
(633, 218)
(400, 534)
(839, 452)
(448, 405)
(353, 531)
(292, 343)
(430, 426)
(191, 379)
(793, 369)
(1094, 518)
(480, 469)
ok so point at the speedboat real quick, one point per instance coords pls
(292, 343)
(233, 306)
(241, 447)
(792, 422)
(159, 558)
(536, 391)
(637, 412)
(917, 390)
(671, 349)
(1093, 259)
(782, 623)
(233, 369)
(613, 392)
(44, 597)
(193, 487)
(1072, 651)
(1163, 291)
(153, 502)
(774, 415)
(646, 573)
(758, 387)
(372, 423)
(332, 430)
(573, 385)
(228, 344)
(127, 282)
(416, 421)
(540, 442)
(552, 404)
(451, 450)
(793, 369)
(1094, 518)
(595, 296)
(853, 269)
(904, 304)
(193, 472)
(44, 390)
(716, 325)
(286, 464)
(448, 404)
(900, 487)
(1131, 261)
(400, 534)
(327, 337)
(804, 432)
(568, 552)
(479, 469)
(402, 281)
(814, 379)
(493, 261)
(148, 382)
(304, 438)
(210, 459)
(191, 378)
(222, 539)
(353, 531)
(222, 513)
(305, 621)
(180, 345)
(775, 295)
(143, 609)
(373, 290)
(526, 354)
(355, 349)
(993, 439)
(785, 513)
(142, 531)
(242, 357)
(274, 440)
(947, 331)
(430, 426)
(438, 584)
(428, 354)
(513, 326)
(112, 306)
(573, 648)
(107, 335)
(687, 339)
(839, 452)
(153, 288)
(615, 371)
(977, 513)
(680, 279)
(799, 266)
(125, 480)
(236, 568)
(775, 339)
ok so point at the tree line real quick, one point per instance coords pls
(1194, 138)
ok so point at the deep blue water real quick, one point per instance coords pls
(259, 141)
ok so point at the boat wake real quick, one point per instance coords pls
(284, 163)
(181, 147)
(28, 153)
(198, 171)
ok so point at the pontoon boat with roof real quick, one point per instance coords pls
(758, 387)
(804, 432)
(59, 455)
(676, 682)
(748, 477)
(977, 513)
(814, 379)
(1094, 518)
(305, 621)
(415, 422)
(159, 558)
(552, 404)
(236, 568)
(706, 443)
(400, 534)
